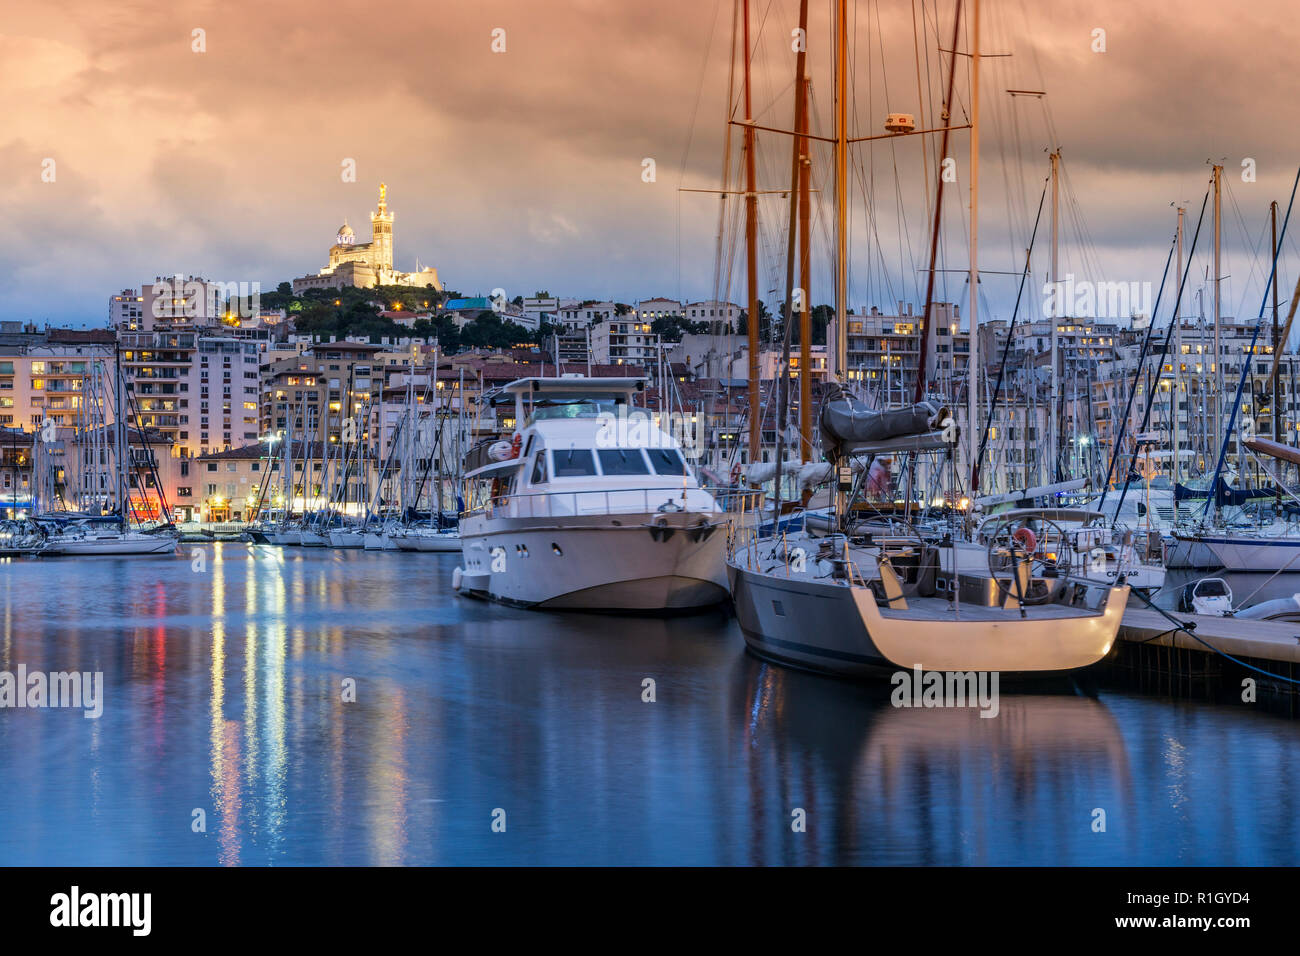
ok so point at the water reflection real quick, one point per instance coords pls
(225, 691)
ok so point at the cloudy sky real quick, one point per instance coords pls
(524, 168)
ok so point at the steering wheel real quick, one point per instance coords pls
(1051, 552)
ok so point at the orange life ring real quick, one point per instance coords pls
(515, 444)
(1026, 538)
(735, 473)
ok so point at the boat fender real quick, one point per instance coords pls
(456, 577)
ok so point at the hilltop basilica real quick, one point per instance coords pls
(367, 264)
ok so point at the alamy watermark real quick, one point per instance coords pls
(190, 298)
(918, 688)
(638, 428)
(62, 689)
(1067, 298)
(130, 910)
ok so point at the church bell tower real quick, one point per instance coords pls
(381, 228)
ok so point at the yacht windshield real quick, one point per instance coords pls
(623, 461)
(574, 407)
(573, 462)
(666, 461)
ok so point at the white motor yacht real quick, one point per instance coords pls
(589, 505)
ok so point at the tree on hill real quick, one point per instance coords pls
(671, 328)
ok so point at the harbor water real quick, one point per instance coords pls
(267, 706)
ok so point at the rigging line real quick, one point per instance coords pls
(690, 135)
(1255, 247)
(1137, 375)
(920, 109)
(1245, 365)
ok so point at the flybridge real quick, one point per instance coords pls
(537, 385)
(577, 396)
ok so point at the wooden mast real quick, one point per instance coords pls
(1277, 411)
(751, 257)
(972, 364)
(805, 283)
(1054, 411)
(783, 384)
(1217, 380)
(926, 320)
(841, 189)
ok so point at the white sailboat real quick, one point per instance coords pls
(84, 538)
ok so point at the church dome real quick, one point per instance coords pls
(345, 234)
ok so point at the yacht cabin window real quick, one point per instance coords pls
(539, 469)
(573, 462)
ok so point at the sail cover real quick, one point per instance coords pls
(847, 423)
(1223, 494)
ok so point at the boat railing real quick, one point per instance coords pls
(597, 501)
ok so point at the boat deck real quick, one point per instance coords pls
(941, 610)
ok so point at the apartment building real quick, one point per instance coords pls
(42, 373)
(201, 390)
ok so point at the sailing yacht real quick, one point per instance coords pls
(1233, 542)
(100, 483)
(588, 506)
(93, 538)
(423, 538)
(859, 603)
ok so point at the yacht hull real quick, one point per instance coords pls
(347, 539)
(143, 544)
(444, 543)
(594, 563)
(839, 629)
(1238, 555)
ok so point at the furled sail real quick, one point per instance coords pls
(847, 423)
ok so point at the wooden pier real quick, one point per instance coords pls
(1163, 659)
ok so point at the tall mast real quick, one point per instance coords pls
(1277, 411)
(841, 188)
(1054, 406)
(972, 366)
(751, 256)
(123, 452)
(1218, 367)
(783, 384)
(805, 283)
(923, 364)
(1178, 353)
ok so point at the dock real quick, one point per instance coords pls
(1167, 660)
